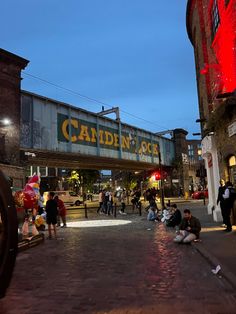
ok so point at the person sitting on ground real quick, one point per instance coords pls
(152, 214)
(176, 217)
(152, 203)
(166, 215)
(189, 228)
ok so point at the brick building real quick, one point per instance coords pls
(10, 82)
(211, 26)
(188, 161)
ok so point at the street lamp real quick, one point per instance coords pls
(5, 121)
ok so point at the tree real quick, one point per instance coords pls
(128, 180)
(83, 178)
(87, 178)
(74, 180)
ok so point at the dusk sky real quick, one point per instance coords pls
(133, 54)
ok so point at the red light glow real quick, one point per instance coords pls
(224, 46)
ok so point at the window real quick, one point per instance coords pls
(215, 17)
(232, 161)
(191, 152)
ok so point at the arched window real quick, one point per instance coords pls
(232, 161)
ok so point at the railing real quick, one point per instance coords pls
(130, 209)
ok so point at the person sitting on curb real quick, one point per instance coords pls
(189, 228)
(152, 215)
(166, 215)
(176, 217)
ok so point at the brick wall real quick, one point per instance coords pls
(16, 174)
(10, 79)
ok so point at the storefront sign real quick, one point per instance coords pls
(209, 160)
(86, 133)
(232, 129)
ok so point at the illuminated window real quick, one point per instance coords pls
(215, 17)
(232, 161)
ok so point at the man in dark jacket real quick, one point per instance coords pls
(52, 212)
(220, 199)
(176, 217)
(190, 228)
(228, 203)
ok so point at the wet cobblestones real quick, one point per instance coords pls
(119, 269)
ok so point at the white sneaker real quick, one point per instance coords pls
(120, 212)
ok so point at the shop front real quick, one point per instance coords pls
(210, 155)
(232, 169)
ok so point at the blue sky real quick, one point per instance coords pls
(133, 54)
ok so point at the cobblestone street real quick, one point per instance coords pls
(132, 268)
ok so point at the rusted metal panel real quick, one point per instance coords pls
(53, 126)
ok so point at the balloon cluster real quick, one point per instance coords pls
(29, 196)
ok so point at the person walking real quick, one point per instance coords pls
(122, 200)
(110, 204)
(220, 199)
(61, 212)
(228, 203)
(51, 210)
(100, 200)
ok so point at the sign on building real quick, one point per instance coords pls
(232, 129)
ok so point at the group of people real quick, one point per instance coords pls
(106, 201)
(226, 198)
(188, 228)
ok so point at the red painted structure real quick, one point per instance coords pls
(219, 47)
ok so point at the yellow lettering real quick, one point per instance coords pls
(65, 125)
(116, 140)
(125, 142)
(155, 149)
(101, 139)
(149, 148)
(84, 135)
(94, 135)
(143, 147)
(108, 138)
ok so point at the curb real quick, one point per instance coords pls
(27, 244)
(213, 261)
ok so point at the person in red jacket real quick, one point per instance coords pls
(61, 212)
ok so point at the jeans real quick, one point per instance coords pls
(185, 237)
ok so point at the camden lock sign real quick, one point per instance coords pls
(86, 133)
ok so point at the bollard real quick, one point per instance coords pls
(85, 211)
(115, 208)
(140, 209)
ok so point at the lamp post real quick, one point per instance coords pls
(162, 195)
